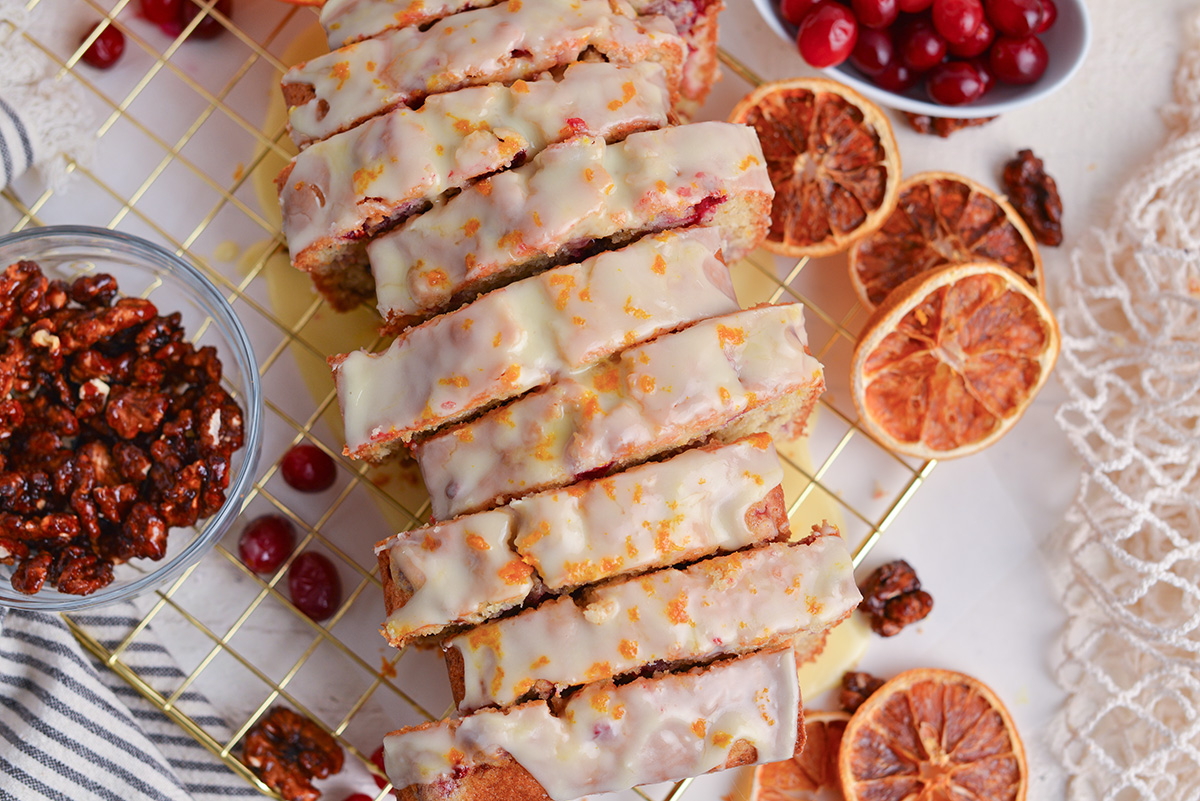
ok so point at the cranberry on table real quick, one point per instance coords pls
(827, 34)
(1015, 17)
(314, 585)
(954, 83)
(975, 44)
(956, 20)
(161, 12)
(107, 48)
(1018, 61)
(308, 468)
(920, 45)
(266, 542)
(794, 10)
(359, 797)
(1049, 16)
(874, 52)
(875, 13)
(377, 761)
(209, 27)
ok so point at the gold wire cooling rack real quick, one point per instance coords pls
(186, 141)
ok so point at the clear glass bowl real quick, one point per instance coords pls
(143, 269)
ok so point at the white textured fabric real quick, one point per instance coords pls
(1130, 657)
(45, 121)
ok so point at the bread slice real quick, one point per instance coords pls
(607, 737)
(502, 43)
(709, 500)
(580, 195)
(723, 605)
(737, 374)
(349, 21)
(525, 335)
(338, 193)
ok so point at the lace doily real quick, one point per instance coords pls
(1130, 560)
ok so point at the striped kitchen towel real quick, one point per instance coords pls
(70, 729)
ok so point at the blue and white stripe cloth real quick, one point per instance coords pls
(16, 144)
(71, 729)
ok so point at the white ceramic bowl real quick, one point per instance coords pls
(143, 269)
(1067, 43)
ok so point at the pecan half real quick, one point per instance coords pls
(893, 598)
(1035, 196)
(288, 751)
(942, 126)
(856, 688)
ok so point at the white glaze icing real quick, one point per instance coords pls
(611, 738)
(412, 157)
(569, 193)
(677, 510)
(722, 605)
(652, 398)
(650, 516)
(528, 333)
(459, 571)
(513, 39)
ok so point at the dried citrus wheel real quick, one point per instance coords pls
(942, 218)
(811, 774)
(951, 359)
(931, 735)
(832, 159)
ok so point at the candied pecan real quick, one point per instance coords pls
(12, 550)
(288, 751)
(893, 598)
(942, 126)
(132, 463)
(105, 323)
(94, 291)
(31, 572)
(82, 573)
(114, 503)
(856, 688)
(12, 417)
(135, 410)
(145, 534)
(1034, 194)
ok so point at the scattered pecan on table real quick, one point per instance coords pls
(113, 428)
(942, 126)
(1034, 194)
(856, 688)
(893, 598)
(287, 751)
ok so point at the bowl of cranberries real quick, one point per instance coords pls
(945, 58)
(130, 417)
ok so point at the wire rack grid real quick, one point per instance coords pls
(187, 137)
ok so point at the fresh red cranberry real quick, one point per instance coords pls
(107, 48)
(827, 34)
(920, 45)
(314, 585)
(954, 83)
(266, 542)
(308, 468)
(166, 14)
(377, 760)
(359, 797)
(1015, 17)
(896, 77)
(794, 10)
(875, 13)
(209, 27)
(914, 6)
(975, 44)
(984, 71)
(1018, 61)
(956, 20)
(1049, 16)
(874, 52)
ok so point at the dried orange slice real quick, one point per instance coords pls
(942, 218)
(811, 775)
(952, 359)
(832, 159)
(930, 735)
